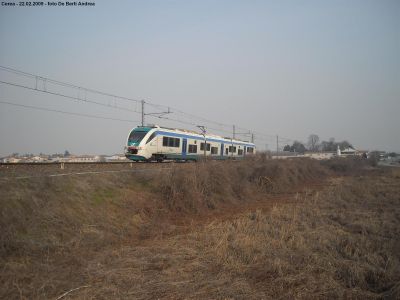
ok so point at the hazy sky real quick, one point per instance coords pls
(276, 67)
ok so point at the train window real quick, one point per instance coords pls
(176, 143)
(240, 152)
(151, 137)
(226, 151)
(250, 150)
(165, 141)
(136, 136)
(214, 150)
(232, 149)
(171, 142)
(202, 146)
(192, 148)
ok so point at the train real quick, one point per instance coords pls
(155, 143)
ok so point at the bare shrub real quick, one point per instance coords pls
(204, 185)
(346, 165)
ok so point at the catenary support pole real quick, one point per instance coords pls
(277, 145)
(142, 112)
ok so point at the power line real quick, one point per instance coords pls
(68, 97)
(49, 80)
(188, 114)
(99, 103)
(188, 123)
(65, 112)
(46, 80)
(78, 98)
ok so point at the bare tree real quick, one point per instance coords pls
(345, 144)
(332, 145)
(313, 140)
(298, 147)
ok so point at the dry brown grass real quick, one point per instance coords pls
(199, 186)
(201, 231)
(340, 243)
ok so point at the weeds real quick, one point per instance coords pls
(340, 243)
(164, 235)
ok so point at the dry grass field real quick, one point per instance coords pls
(254, 229)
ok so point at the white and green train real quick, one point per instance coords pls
(160, 143)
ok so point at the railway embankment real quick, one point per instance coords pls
(203, 230)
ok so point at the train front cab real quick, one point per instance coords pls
(134, 150)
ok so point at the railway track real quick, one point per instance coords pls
(74, 163)
(27, 170)
(10, 171)
(144, 170)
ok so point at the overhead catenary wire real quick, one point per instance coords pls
(66, 112)
(68, 97)
(189, 123)
(99, 103)
(188, 114)
(61, 83)
(49, 80)
(46, 80)
(105, 105)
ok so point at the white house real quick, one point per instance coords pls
(81, 158)
(348, 151)
(320, 155)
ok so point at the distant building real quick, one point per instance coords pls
(37, 159)
(320, 155)
(348, 151)
(81, 158)
(116, 157)
(55, 159)
(12, 160)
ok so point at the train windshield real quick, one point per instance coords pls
(136, 136)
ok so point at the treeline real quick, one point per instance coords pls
(314, 144)
(66, 154)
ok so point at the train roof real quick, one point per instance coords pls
(195, 133)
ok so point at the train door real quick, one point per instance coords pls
(158, 143)
(244, 151)
(222, 149)
(184, 147)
